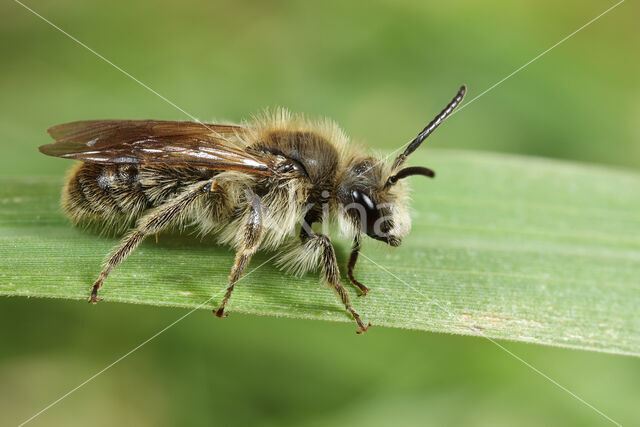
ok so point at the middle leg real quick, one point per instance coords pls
(251, 239)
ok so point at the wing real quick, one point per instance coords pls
(157, 142)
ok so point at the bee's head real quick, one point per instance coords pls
(369, 206)
(372, 195)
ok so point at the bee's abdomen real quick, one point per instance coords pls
(108, 193)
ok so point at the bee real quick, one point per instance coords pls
(262, 184)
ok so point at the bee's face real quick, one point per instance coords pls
(369, 205)
(372, 200)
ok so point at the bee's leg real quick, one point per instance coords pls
(353, 258)
(330, 270)
(251, 238)
(156, 220)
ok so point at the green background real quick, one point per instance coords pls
(381, 70)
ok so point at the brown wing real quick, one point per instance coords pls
(156, 142)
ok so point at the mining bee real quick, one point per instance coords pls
(261, 184)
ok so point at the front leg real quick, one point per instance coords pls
(330, 271)
(251, 238)
(351, 264)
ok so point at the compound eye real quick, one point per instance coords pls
(370, 210)
(363, 200)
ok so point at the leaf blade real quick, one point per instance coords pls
(508, 247)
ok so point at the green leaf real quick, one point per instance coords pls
(524, 249)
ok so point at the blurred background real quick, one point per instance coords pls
(380, 69)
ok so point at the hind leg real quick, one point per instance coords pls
(154, 222)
